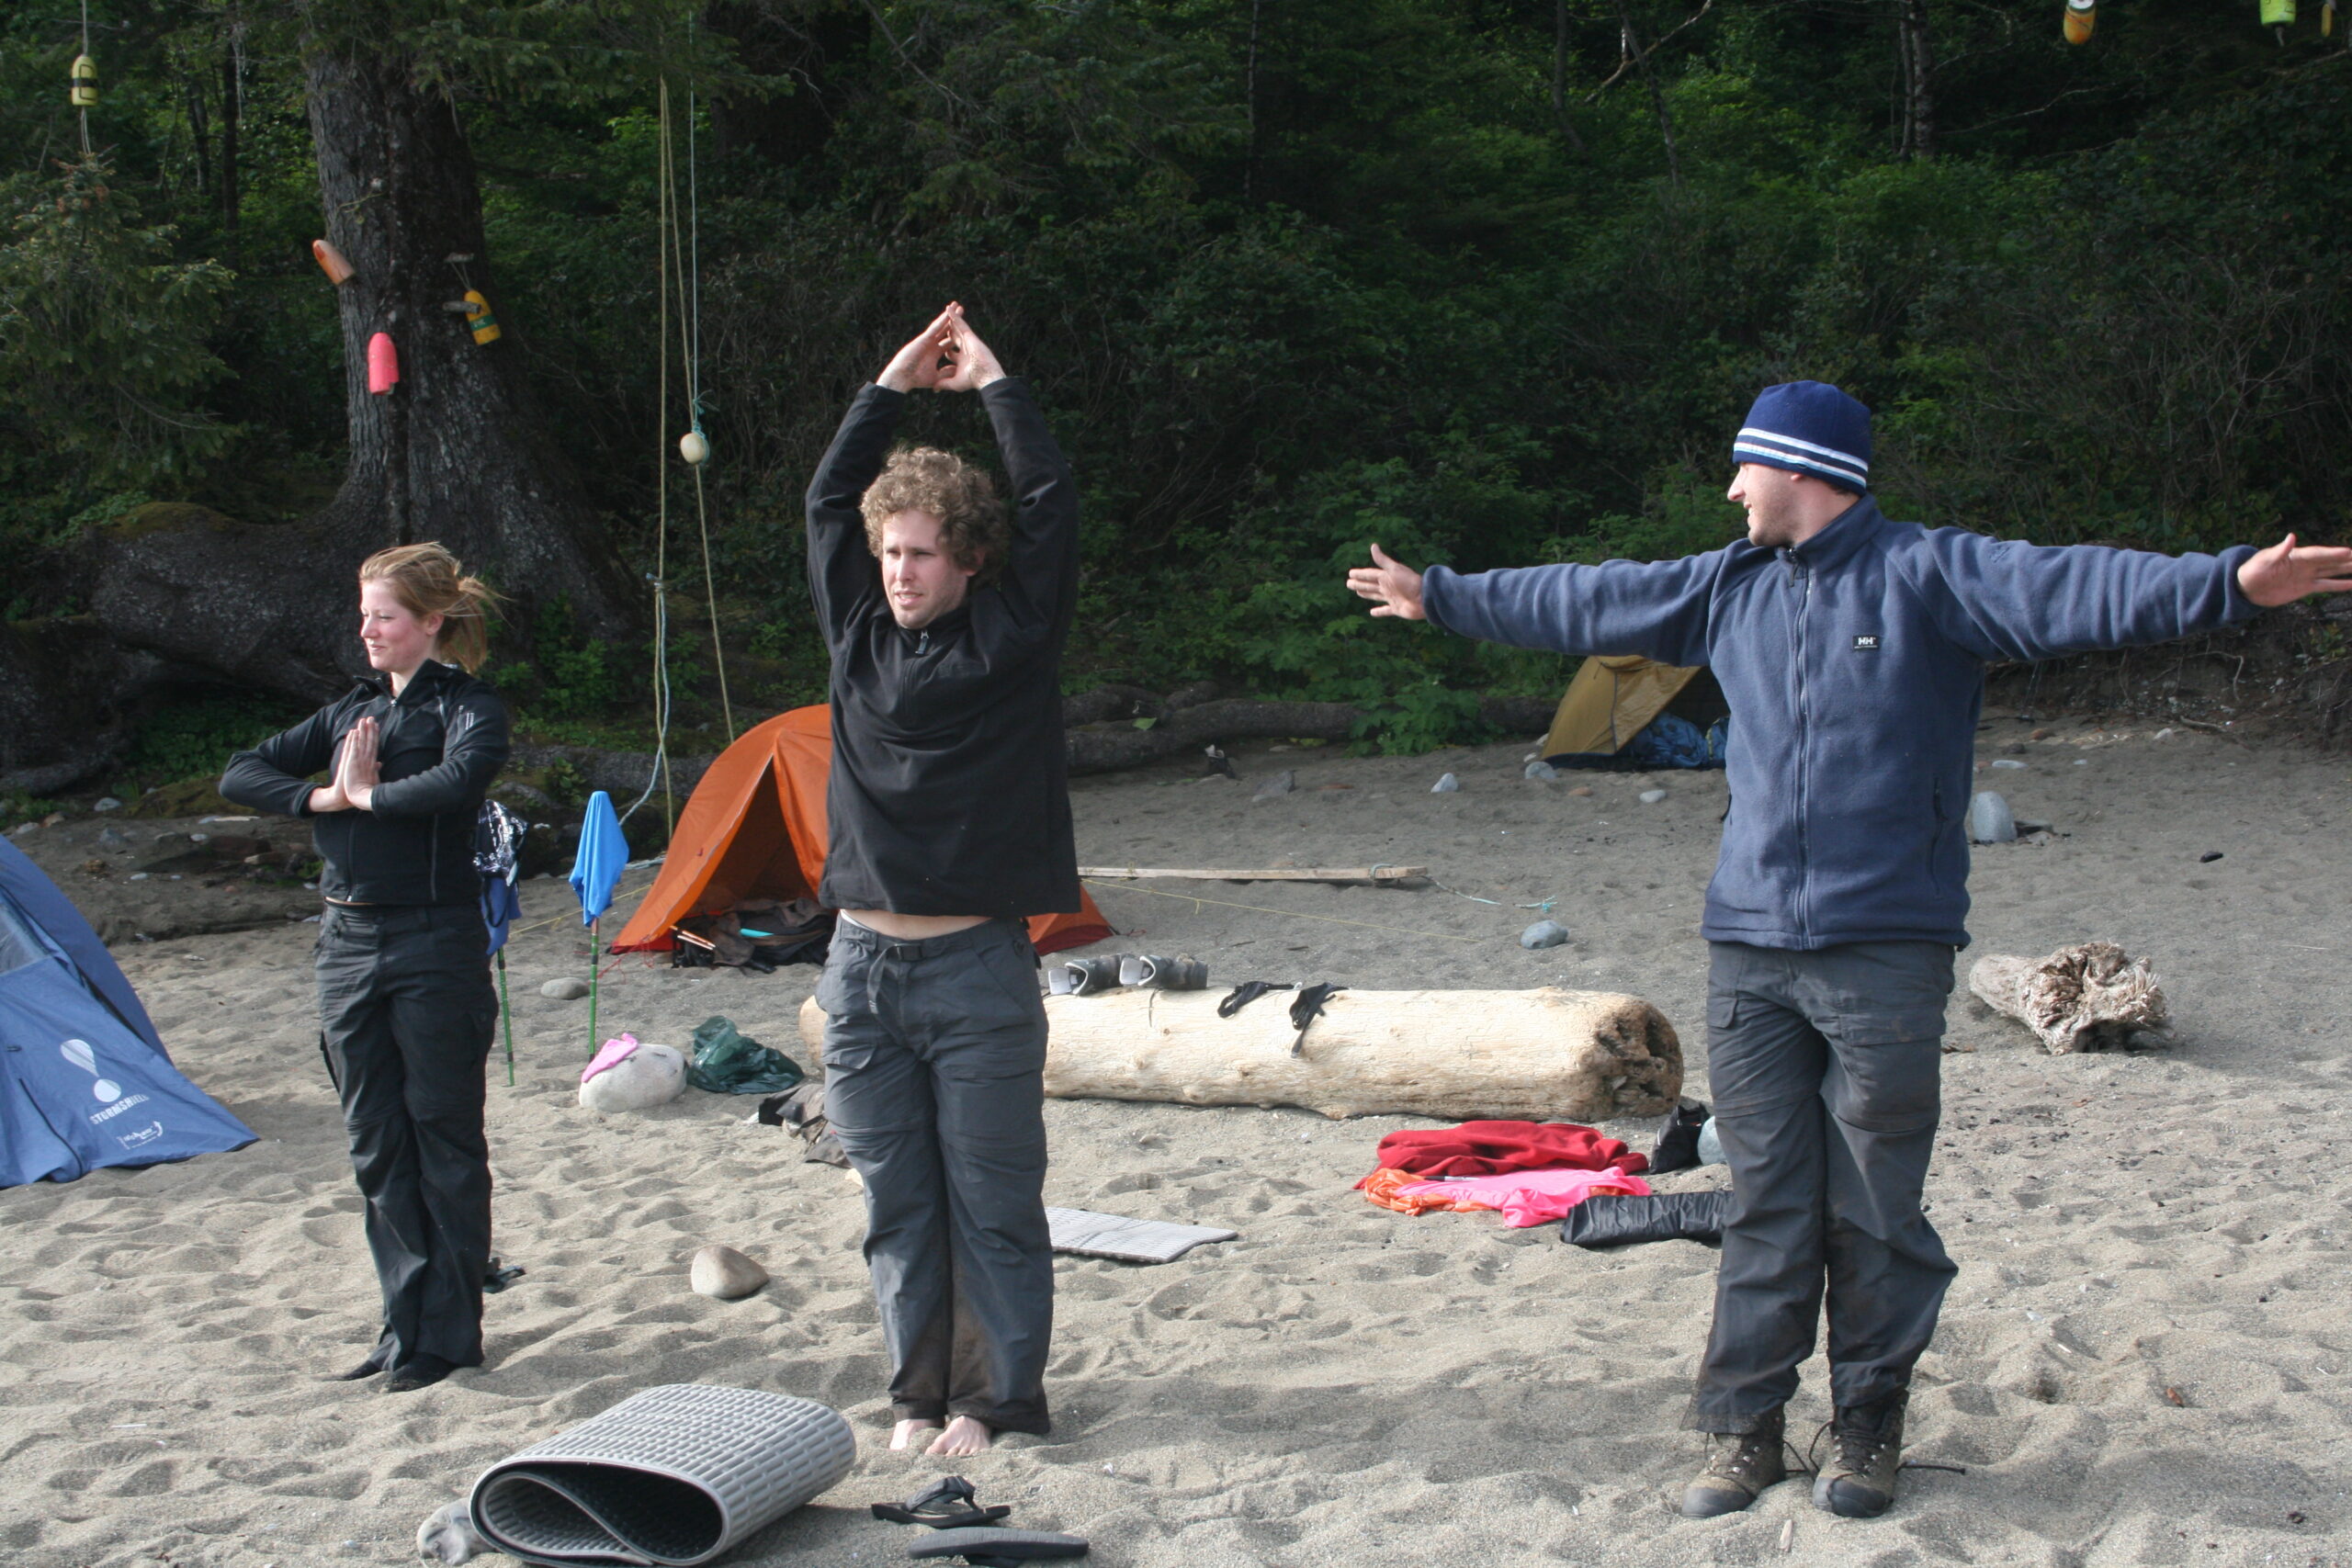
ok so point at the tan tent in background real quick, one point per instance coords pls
(1612, 699)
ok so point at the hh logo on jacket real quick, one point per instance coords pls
(1866, 643)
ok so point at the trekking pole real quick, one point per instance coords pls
(506, 1014)
(592, 946)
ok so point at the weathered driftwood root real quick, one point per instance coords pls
(2090, 996)
(1541, 1055)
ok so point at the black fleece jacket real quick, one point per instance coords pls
(441, 742)
(949, 793)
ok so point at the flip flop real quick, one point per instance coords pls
(1249, 991)
(997, 1548)
(950, 1503)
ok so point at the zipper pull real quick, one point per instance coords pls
(923, 642)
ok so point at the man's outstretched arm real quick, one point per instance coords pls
(1659, 609)
(2010, 600)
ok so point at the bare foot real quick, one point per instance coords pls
(964, 1436)
(903, 1435)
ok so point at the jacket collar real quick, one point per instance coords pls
(1847, 533)
(429, 678)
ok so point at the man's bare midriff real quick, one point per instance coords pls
(913, 928)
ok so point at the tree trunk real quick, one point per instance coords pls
(458, 451)
(232, 94)
(1539, 1055)
(1658, 93)
(1918, 80)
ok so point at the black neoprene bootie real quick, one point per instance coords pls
(1739, 1467)
(1867, 1450)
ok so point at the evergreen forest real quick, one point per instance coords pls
(1488, 281)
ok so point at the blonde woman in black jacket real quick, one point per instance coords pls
(405, 1004)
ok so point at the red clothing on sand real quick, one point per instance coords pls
(1490, 1148)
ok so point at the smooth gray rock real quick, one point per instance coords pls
(1539, 769)
(724, 1274)
(1446, 785)
(1281, 784)
(1651, 796)
(447, 1535)
(1990, 821)
(107, 803)
(571, 988)
(646, 1077)
(113, 839)
(1542, 934)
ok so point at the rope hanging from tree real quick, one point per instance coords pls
(679, 254)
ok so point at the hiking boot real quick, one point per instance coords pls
(1867, 1441)
(1739, 1467)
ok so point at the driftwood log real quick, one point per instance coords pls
(2090, 996)
(1540, 1056)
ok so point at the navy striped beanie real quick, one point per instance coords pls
(1808, 427)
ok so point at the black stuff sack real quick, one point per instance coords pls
(726, 1061)
(1612, 1220)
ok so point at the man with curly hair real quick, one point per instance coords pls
(948, 808)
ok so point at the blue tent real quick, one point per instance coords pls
(85, 1080)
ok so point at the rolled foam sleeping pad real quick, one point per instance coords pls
(669, 1477)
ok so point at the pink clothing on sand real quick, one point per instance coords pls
(614, 1053)
(1530, 1197)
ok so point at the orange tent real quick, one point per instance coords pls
(755, 829)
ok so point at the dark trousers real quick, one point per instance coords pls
(935, 1083)
(406, 1013)
(1825, 1068)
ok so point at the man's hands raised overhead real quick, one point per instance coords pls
(945, 357)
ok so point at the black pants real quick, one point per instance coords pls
(1826, 1071)
(935, 1083)
(407, 1013)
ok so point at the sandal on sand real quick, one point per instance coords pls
(1155, 973)
(1084, 976)
(997, 1548)
(950, 1503)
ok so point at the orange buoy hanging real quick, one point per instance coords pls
(383, 364)
(83, 79)
(331, 261)
(479, 321)
(2081, 18)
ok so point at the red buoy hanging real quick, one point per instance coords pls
(383, 364)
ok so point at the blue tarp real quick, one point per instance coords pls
(85, 1080)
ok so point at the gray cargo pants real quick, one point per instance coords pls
(406, 1014)
(1825, 1068)
(935, 1083)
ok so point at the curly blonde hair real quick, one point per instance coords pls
(973, 528)
(428, 579)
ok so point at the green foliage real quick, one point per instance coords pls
(1287, 278)
(193, 737)
(103, 337)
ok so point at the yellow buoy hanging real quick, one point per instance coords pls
(2277, 13)
(84, 75)
(694, 448)
(478, 319)
(2327, 19)
(2082, 17)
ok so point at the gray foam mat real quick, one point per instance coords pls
(1090, 1235)
(669, 1477)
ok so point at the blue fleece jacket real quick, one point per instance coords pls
(1854, 665)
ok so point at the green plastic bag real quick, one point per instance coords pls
(726, 1061)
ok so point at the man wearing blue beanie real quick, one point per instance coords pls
(1852, 650)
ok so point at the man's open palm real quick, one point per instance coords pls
(2288, 572)
(1394, 588)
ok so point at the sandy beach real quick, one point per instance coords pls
(2139, 1362)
